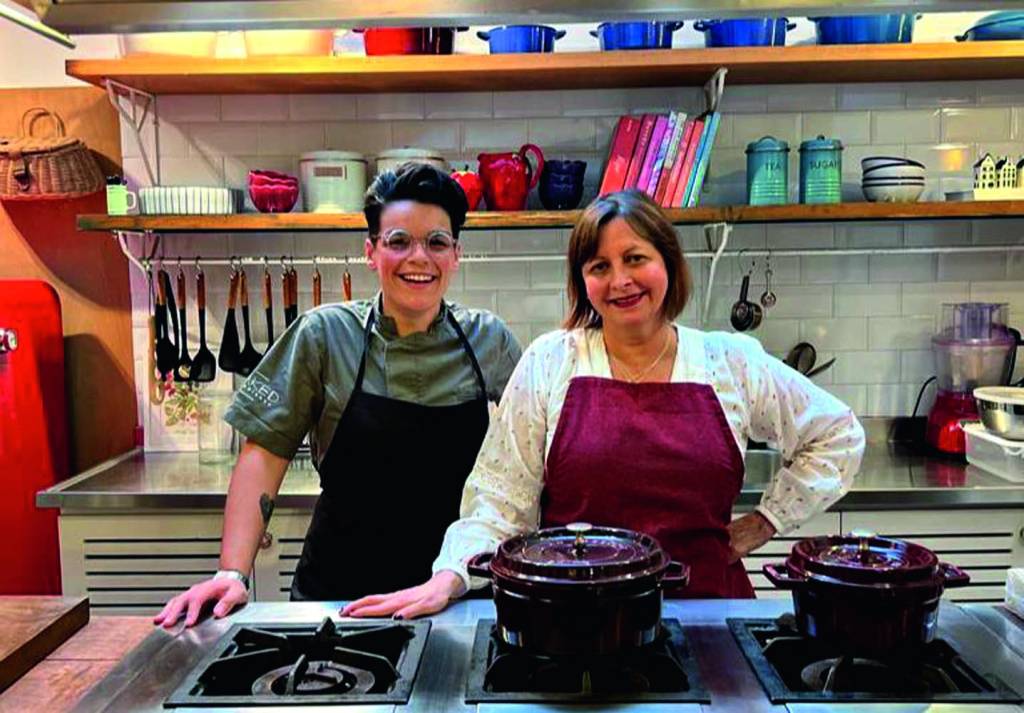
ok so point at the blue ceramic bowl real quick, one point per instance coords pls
(635, 35)
(744, 32)
(574, 169)
(560, 191)
(864, 29)
(521, 38)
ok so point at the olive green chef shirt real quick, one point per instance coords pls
(304, 382)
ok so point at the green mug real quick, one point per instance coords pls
(120, 200)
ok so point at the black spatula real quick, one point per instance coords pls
(249, 358)
(166, 352)
(204, 365)
(184, 366)
(229, 357)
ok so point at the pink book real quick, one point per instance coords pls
(670, 157)
(620, 154)
(659, 161)
(677, 166)
(684, 175)
(640, 150)
(660, 126)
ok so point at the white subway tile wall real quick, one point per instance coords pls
(874, 314)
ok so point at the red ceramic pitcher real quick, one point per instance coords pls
(509, 177)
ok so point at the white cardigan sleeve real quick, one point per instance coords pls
(502, 494)
(819, 437)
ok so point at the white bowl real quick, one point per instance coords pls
(893, 194)
(875, 161)
(291, 43)
(894, 172)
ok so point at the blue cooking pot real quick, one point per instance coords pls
(521, 38)
(997, 26)
(744, 32)
(635, 35)
(864, 29)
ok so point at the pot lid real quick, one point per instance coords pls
(767, 143)
(821, 143)
(863, 559)
(331, 155)
(580, 552)
(409, 153)
(998, 18)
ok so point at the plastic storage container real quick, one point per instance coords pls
(998, 456)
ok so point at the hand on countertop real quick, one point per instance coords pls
(427, 598)
(747, 533)
(227, 593)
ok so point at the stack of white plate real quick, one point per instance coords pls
(889, 179)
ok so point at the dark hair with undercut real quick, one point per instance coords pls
(648, 221)
(414, 181)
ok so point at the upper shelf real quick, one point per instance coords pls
(298, 222)
(568, 70)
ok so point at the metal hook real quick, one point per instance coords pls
(199, 268)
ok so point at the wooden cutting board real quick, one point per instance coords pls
(33, 626)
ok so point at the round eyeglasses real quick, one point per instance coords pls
(439, 242)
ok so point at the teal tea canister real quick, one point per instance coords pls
(821, 171)
(767, 171)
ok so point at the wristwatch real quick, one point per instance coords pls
(233, 574)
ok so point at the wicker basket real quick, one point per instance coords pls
(57, 166)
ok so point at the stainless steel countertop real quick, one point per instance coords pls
(892, 477)
(142, 680)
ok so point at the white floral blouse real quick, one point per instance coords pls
(820, 439)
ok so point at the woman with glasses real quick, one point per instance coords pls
(625, 419)
(394, 393)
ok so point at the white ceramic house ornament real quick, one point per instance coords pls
(1006, 173)
(985, 172)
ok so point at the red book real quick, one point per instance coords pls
(684, 175)
(660, 126)
(619, 154)
(677, 166)
(671, 155)
(640, 150)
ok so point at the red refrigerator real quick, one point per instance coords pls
(33, 434)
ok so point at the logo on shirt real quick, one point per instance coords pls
(257, 388)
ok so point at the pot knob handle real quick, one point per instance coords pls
(580, 529)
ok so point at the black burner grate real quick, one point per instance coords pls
(792, 667)
(285, 664)
(663, 671)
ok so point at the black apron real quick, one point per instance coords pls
(392, 482)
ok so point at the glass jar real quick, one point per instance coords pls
(217, 439)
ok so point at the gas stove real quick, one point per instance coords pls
(285, 655)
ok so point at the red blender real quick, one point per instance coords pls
(974, 347)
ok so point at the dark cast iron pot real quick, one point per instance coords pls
(579, 589)
(865, 593)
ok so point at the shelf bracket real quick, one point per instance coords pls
(139, 105)
(713, 233)
(714, 89)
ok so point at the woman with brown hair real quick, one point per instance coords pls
(625, 419)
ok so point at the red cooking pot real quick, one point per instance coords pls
(578, 589)
(409, 40)
(865, 593)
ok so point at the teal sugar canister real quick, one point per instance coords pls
(821, 171)
(767, 171)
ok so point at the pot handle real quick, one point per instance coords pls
(594, 33)
(790, 26)
(701, 25)
(533, 174)
(961, 38)
(479, 565)
(676, 574)
(560, 34)
(953, 576)
(673, 26)
(485, 36)
(778, 575)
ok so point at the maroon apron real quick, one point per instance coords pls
(659, 458)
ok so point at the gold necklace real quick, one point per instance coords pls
(638, 377)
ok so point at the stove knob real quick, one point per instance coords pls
(8, 340)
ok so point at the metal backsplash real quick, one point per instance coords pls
(102, 16)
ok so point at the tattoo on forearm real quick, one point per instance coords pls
(266, 508)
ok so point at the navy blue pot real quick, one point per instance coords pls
(521, 38)
(745, 32)
(635, 35)
(561, 191)
(864, 29)
(997, 26)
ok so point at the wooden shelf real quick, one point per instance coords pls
(568, 70)
(298, 222)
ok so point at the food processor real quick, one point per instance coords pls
(974, 347)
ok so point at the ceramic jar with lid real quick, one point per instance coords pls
(332, 181)
(393, 158)
(767, 171)
(821, 171)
